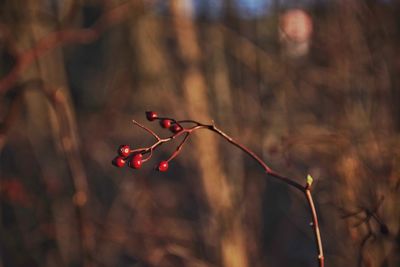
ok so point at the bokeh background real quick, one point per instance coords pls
(310, 86)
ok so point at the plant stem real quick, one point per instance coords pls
(305, 189)
(317, 232)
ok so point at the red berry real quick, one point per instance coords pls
(124, 150)
(163, 166)
(119, 162)
(151, 115)
(136, 161)
(166, 123)
(176, 128)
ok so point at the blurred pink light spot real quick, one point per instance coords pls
(296, 25)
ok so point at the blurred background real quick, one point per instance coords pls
(311, 86)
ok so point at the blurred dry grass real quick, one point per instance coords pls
(331, 109)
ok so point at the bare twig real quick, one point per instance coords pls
(147, 130)
(305, 189)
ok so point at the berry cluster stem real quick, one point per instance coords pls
(180, 130)
(179, 148)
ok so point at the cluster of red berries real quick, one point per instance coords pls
(172, 125)
(134, 158)
(134, 161)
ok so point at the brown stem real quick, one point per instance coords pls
(178, 149)
(305, 189)
(317, 232)
(147, 129)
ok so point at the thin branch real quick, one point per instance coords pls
(363, 244)
(178, 149)
(267, 169)
(147, 129)
(305, 189)
(317, 232)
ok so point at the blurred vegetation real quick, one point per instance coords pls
(327, 104)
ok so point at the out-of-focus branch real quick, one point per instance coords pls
(60, 38)
(59, 103)
(219, 194)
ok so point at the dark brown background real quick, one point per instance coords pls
(75, 73)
